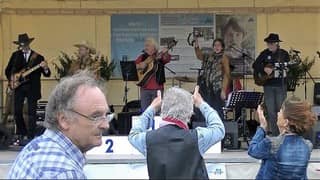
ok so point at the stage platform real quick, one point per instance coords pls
(227, 164)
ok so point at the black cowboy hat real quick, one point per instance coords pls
(272, 38)
(23, 39)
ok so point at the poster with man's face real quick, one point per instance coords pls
(239, 34)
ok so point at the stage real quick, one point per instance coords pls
(227, 164)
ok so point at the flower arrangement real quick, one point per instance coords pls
(297, 73)
(64, 62)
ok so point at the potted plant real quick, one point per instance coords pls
(297, 73)
(64, 62)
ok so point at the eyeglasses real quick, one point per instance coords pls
(93, 119)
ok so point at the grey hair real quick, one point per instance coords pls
(177, 103)
(63, 97)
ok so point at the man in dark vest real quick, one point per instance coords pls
(173, 151)
(29, 87)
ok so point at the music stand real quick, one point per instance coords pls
(244, 99)
(129, 73)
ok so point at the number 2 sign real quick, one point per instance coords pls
(109, 143)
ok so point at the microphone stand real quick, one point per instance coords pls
(244, 56)
(305, 83)
(126, 89)
(307, 73)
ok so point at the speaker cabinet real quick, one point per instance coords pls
(125, 122)
(316, 136)
(316, 94)
(231, 137)
(230, 140)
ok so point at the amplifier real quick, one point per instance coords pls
(124, 122)
(316, 136)
(316, 95)
(231, 138)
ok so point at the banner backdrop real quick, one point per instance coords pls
(128, 32)
(239, 34)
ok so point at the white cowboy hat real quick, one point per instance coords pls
(86, 44)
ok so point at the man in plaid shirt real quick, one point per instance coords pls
(76, 116)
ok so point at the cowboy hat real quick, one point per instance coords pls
(86, 44)
(23, 39)
(272, 38)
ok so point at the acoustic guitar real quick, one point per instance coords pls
(260, 78)
(151, 68)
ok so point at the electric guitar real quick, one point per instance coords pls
(21, 77)
(151, 68)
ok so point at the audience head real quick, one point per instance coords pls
(296, 116)
(177, 103)
(77, 107)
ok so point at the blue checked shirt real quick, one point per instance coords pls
(207, 136)
(49, 156)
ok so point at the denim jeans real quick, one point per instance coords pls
(146, 98)
(273, 98)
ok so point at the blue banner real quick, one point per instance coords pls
(128, 32)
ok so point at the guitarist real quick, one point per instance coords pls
(22, 59)
(148, 91)
(275, 90)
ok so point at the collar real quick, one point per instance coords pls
(26, 52)
(176, 122)
(218, 54)
(72, 150)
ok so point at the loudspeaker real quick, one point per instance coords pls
(40, 116)
(316, 136)
(230, 140)
(125, 122)
(132, 106)
(316, 94)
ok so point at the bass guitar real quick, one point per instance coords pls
(151, 68)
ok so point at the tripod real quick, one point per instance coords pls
(129, 73)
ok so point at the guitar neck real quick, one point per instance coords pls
(29, 71)
(160, 54)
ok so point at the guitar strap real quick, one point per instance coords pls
(279, 55)
(32, 58)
